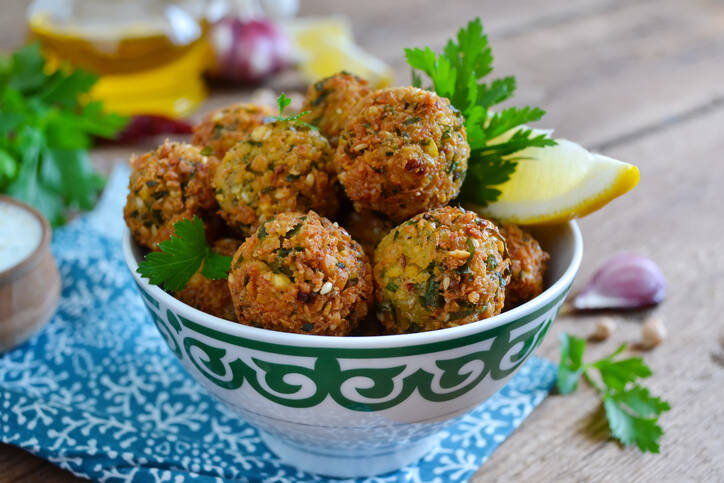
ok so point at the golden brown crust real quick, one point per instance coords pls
(221, 129)
(279, 167)
(528, 263)
(403, 151)
(211, 296)
(443, 268)
(167, 185)
(301, 273)
(330, 100)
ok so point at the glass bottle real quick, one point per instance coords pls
(149, 54)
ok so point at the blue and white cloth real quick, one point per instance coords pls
(98, 392)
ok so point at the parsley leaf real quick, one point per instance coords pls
(216, 266)
(571, 367)
(494, 137)
(631, 410)
(283, 101)
(632, 416)
(181, 256)
(46, 126)
(617, 374)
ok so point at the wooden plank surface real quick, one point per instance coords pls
(642, 81)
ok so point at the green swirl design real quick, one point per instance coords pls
(505, 348)
(382, 388)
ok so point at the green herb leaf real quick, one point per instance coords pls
(571, 367)
(457, 74)
(46, 126)
(216, 266)
(640, 400)
(8, 167)
(617, 374)
(631, 410)
(294, 230)
(432, 298)
(629, 425)
(471, 250)
(181, 256)
(283, 101)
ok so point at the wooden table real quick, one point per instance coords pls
(642, 81)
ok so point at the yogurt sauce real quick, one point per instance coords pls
(20, 234)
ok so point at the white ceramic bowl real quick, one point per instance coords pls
(359, 406)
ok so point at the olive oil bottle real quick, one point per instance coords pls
(149, 54)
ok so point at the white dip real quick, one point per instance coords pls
(20, 234)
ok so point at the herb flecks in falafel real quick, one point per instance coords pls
(443, 268)
(305, 275)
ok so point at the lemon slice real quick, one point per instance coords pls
(558, 183)
(305, 33)
(325, 46)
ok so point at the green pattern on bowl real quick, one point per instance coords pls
(506, 348)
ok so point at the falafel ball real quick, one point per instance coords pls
(443, 268)
(167, 185)
(330, 100)
(403, 151)
(528, 263)
(211, 296)
(221, 129)
(301, 273)
(367, 228)
(279, 167)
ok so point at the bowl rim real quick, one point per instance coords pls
(359, 342)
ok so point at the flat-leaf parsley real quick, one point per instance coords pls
(457, 74)
(631, 410)
(283, 101)
(182, 255)
(46, 127)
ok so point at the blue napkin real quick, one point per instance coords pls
(98, 392)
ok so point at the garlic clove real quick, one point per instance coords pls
(625, 281)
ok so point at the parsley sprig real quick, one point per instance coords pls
(457, 74)
(631, 410)
(182, 255)
(46, 127)
(283, 101)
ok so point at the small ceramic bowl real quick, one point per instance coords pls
(29, 289)
(359, 406)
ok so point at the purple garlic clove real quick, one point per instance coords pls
(625, 281)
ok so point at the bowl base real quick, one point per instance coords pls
(353, 464)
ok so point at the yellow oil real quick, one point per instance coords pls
(141, 71)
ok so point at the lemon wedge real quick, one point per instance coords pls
(558, 183)
(324, 46)
(305, 32)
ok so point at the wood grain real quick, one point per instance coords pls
(642, 81)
